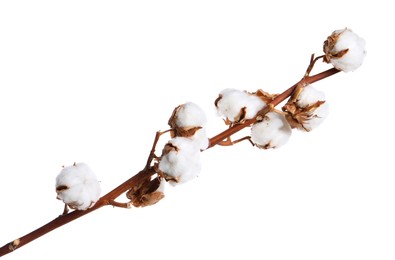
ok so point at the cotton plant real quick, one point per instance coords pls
(178, 161)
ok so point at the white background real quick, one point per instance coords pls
(91, 81)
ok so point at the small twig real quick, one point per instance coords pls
(114, 203)
(65, 210)
(311, 65)
(152, 153)
(245, 138)
(226, 142)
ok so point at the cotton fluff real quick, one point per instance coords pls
(180, 160)
(272, 132)
(345, 50)
(190, 115)
(307, 97)
(236, 105)
(188, 120)
(78, 186)
(200, 138)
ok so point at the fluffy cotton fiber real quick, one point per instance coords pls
(190, 115)
(348, 42)
(180, 160)
(310, 96)
(272, 132)
(78, 186)
(231, 103)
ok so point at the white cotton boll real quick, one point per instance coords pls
(272, 132)
(183, 162)
(78, 186)
(190, 115)
(342, 40)
(309, 95)
(233, 101)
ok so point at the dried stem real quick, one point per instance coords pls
(149, 170)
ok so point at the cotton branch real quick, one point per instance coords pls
(144, 188)
(280, 98)
(145, 174)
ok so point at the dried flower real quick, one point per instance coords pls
(345, 50)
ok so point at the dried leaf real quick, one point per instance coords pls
(241, 116)
(298, 117)
(173, 117)
(61, 188)
(185, 131)
(217, 100)
(329, 44)
(169, 147)
(151, 198)
(146, 193)
(180, 131)
(265, 96)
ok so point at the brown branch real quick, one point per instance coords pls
(147, 172)
(107, 199)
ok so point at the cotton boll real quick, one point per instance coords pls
(309, 95)
(190, 115)
(272, 132)
(236, 105)
(187, 120)
(78, 186)
(180, 160)
(345, 50)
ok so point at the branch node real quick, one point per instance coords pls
(14, 244)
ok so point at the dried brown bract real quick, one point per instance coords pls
(146, 194)
(329, 45)
(265, 96)
(300, 113)
(298, 117)
(176, 129)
